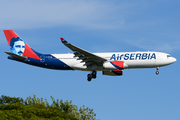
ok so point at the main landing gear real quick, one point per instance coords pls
(157, 72)
(92, 75)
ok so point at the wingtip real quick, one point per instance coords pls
(63, 40)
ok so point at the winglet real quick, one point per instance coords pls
(63, 40)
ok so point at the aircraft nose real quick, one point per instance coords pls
(174, 60)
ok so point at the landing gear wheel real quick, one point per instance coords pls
(89, 77)
(157, 72)
(93, 74)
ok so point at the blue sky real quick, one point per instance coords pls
(96, 26)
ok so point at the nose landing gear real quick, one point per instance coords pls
(92, 75)
(157, 72)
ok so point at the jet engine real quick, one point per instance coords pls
(113, 72)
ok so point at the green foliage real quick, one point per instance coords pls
(35, 108)
(6, 99)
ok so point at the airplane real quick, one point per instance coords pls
(112, 63)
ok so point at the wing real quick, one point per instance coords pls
(85, 56)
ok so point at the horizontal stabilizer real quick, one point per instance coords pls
(18, 57)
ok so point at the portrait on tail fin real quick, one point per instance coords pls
(17, 46)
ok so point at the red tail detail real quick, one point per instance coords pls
(28, 51)
(9, 35)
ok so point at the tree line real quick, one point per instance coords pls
(16, 108)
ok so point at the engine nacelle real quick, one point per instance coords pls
(114, 65)
(113, 72)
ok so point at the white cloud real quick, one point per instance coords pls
(155, 45)
(130, 19)
(23, 14)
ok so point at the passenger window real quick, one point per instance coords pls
(168, 55)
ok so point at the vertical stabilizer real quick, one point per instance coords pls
(18, 46)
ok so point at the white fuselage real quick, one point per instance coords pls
(131, 60)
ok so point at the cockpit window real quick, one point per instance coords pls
(168, 55)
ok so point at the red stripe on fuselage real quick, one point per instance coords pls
(119, 63)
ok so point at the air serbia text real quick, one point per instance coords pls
(133, 56)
